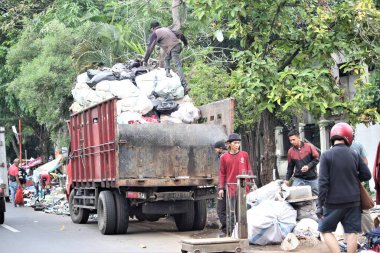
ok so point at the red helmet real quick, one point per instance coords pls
(342, 131)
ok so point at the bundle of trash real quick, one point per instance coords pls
(145, 94)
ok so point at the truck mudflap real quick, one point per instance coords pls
(176, 152)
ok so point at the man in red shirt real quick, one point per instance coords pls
(14, 181)
(233, 163)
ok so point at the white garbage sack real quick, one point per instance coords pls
(266, 192)
(163, 86)
(130, 118)
(270, 222)
(76, 107)
(85, 96)
(82, 79)
(187, 113)
(169, 119)
(124, 89)
(140, 104)
(306, 228)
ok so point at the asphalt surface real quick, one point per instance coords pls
(26, 230)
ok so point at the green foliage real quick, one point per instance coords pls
(286, 52)
(44, 76)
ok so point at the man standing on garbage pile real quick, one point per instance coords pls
(233, 163)
(220, 149)
(340, 173)
(14, 181)
(170, 42)
(302, 163)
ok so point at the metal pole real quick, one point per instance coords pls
(20, 140)
(242, 205)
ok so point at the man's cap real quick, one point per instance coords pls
(154, 24)
(220, 144)
(234, 137)
(16, 160)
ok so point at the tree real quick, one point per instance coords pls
(284, 58)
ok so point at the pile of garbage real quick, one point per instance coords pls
(145, 94)
(283, 215)
(54, 201)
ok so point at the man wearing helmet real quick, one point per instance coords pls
(340, 171)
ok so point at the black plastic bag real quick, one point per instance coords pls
(167, 106)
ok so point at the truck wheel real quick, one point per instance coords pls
(1, 217)
(106, 213)
(200, 215)
(78, 215)
(185, 221)
(122, 213)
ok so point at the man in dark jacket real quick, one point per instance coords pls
(302, 163)
(340, 173)
(170, 42)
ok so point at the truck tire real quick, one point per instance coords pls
(78, 215)
(200, 215)
(185, 221)
(122, 213)
(106, 213)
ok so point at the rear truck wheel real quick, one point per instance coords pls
(106, 213)
(200, 215)
(122, 213)
(185, 221)
(78, 215)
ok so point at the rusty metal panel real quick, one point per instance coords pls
(220, 113)
(178, 151)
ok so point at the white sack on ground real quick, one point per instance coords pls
(266, 192)
(306, 228)
(270, 222)
(187, 112)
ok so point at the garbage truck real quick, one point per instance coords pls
(143, 171)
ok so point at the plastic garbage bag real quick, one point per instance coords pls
(103, 75)
(290, 242)
(306, 228)
(19, 197)
(270, 222)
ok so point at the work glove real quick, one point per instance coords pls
(319, 212)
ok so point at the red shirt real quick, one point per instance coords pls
(232, 165)
(13, 170)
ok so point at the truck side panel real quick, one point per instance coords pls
(93, 145)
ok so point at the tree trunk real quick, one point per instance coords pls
(16, 148)
(44, 146)
(269, 150)
(178, 14)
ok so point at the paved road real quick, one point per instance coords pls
(26, 230)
